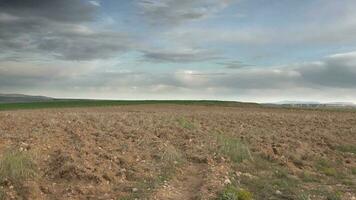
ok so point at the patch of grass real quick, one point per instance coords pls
(329, 171)
(170, 155)
(325, 167)
(170, 159)
(16, 167)
(347, 182)
(233, 148)
(69, 103)
(268, 178)
(333, 196)
(260, 163)
(183, 122)
(353, 170)
(347, 148)
(308, 177)
(303, 197)
(146, 187)
(244, 195)
(232, 193)
(266, 187)
(283, 181)
(2, 194)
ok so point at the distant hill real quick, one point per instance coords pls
(21, 98)
(312, 104)
(296, 102)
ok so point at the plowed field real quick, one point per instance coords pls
(177, 152)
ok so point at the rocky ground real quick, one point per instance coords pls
(177, 152)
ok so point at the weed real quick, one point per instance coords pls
(325, 167)
(329, 171)
(333, 196)
(2, 194)
(303, 197)
(232, 193)
(261, 163)
(347, 148)
(170, 159)
(283, 181)
(236, 150)
(347, 182)
(308, 177)
(146, 187)
(244, 195)
(183, 122)
(353, 170)
(16, 167)
(270, 179)
(281, 173)
(170, 155)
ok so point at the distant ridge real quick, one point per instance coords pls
(312, 104)
(21, 98)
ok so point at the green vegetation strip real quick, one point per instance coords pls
(99, 103)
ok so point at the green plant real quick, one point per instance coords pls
(2, 194)
(232, 193)
(329, 171)
(303, 197)
(325, 167)
(244, 195)
(233, 148)
(353, 170)
(347, 148)
(16, 166)
(183, 122)
(333, 196)
(308, 177)
(271, 178)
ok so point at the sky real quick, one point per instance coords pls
(240, 50)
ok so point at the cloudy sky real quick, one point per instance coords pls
(245, 50)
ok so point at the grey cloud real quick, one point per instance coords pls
(85, 47)
(176, 55)
(170, 12)
(56, 10)
(59, 28)
(338, 71)
(234, 64)
(21, 18)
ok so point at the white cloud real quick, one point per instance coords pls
(95, 3)
(172, 12)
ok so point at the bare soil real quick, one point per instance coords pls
(172, 152)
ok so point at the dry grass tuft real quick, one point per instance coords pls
(233, 148)
(16, 166)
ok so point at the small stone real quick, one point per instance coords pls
(227, 181)
(278, 192)
(238, 174)
(134, 190)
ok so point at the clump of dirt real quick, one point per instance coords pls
(62, 166)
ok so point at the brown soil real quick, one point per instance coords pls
(186, 185)
(171, 152)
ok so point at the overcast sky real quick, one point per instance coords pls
(244, 50)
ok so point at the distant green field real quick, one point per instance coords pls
(100, 103)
